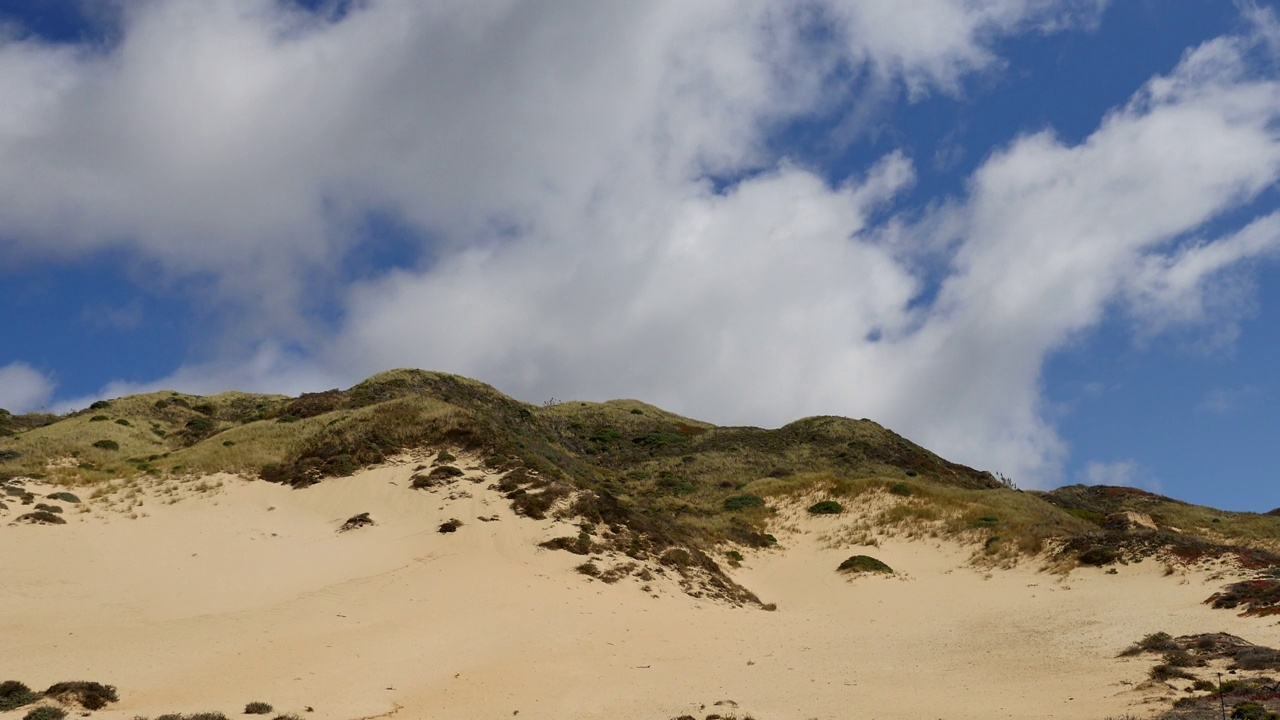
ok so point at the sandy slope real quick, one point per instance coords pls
(248, 593)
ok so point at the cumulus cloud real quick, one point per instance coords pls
(602, 212)
(23, 388)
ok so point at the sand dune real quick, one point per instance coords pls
(246, 592)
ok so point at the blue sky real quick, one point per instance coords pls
(1035, 235)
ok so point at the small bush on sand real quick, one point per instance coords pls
(449, 526)
(741, 502)
(257, 708)
(444, 472)
(354, 522)
(64, 497)
(14, 695)
(89, 695)
(41, 517)
(864, 563)
(901, 488)
(826, 507)
(49, 508)
(1249, 710)
(45, 712)
(445, 457)
(1160, 642)
(1165, 672)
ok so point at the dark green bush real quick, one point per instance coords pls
(107, 444)
(161, 404)
(1249, 710)
(89, 695)
(901, 488)
(100, 405)
(826, 507)
(257, 708)
(445, 457)
(14, 695)
(45, 712)
(864, 563)
(122, 421)
(288, 419)
(204, 408)
(1098, 556)
(444, 472)
(99, 418)
(43, 517)
(741, 502)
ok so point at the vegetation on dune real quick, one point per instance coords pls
(864, 564)
(645, 481)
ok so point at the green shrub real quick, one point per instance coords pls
(1160, 642)
(741, 502)
(43, 517)
(107, 444)
(14, 695)
(826, 507)
(45, 712)
(100, 405)
(257, 708)
(288, 419)
(161, 404)
(901, 488)
(99, 418)
(122, 421)
(445, 457)
(89, 695)
(1249, 710)
(864, 563)
(444, 472)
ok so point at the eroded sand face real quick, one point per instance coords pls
(247, 592)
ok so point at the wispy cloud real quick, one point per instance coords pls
(1221, 401)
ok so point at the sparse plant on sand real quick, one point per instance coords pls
(14, 694)
(826, 507)
(257, 708)
(864, 564)
(87, 694)
(45, 712)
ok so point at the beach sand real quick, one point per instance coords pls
(245, 591)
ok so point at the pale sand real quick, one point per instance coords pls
(218, 600)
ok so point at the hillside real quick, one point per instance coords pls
(673, 480)
(189, 527)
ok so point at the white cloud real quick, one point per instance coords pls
(23, 388)
(1121, 472)
(558, 156)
